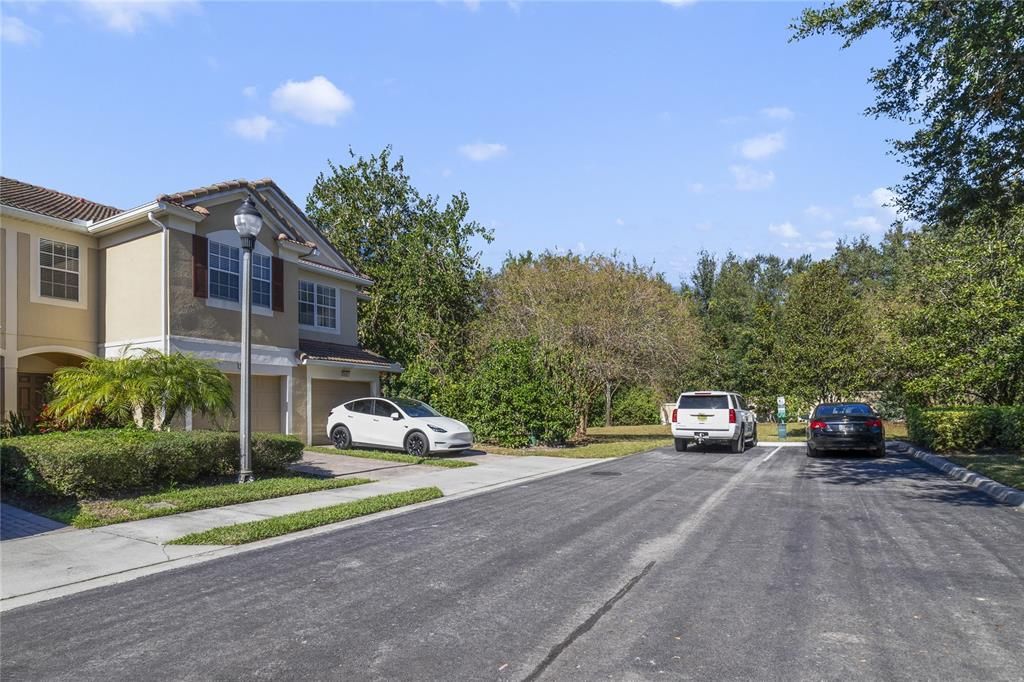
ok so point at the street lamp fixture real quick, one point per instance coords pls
(248, 222)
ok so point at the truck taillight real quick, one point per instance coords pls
(732, 416)
(675, 415)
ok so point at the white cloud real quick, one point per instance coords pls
(482, 151)
(253, 128)
(818, 213)
(785, 230)
(748, 178)
(762, 146)
(316, 101)
(249, 91)
(826, 234)
(128, 16)
(446, 172)
(808, 246)
(779, 113)
(865, 222)
(679, 3)
(472, 5)
(697, 187)
(704, 226)
(620, 222)
(14, 30)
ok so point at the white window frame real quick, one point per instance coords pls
(35, 294)
(269, 278)
(235, 254)
(317, 287)
(231, 239)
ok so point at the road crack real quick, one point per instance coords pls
(586, 625)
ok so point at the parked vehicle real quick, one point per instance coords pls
(845, 427)
(396, 424)
(713, 416)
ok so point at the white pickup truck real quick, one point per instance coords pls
(713, 416)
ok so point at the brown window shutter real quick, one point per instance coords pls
(277, 284)
(200, 256)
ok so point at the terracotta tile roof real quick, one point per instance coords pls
(51, 203)
(336, 352)
(257, 186)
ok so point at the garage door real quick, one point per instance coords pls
(328, 394)
(266, 405)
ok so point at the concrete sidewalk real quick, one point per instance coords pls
(58, 562)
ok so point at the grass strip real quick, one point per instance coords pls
(95, 513)
(387, 456)
(251, 531)
(1007, 468)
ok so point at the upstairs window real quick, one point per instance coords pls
(223, 267)
(261, 280)
(58, 270)
(318, 305)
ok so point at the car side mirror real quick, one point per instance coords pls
(396, 416)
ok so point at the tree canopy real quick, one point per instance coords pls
(957, 75)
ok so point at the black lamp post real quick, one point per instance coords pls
(248, 222)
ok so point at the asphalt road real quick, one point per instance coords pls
(657, 566)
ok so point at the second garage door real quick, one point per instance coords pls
(266, 406)
(328, 394)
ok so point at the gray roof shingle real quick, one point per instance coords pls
(50, 202)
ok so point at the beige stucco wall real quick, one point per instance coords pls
(42, 323)
(298, 400)
(192, 316)
(132, 289)
(3, 288)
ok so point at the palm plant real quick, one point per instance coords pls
(152, 387)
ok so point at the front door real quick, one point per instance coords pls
(391, 431)
(31, 395)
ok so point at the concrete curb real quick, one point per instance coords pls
(997, 491)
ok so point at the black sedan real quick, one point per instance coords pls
(845, 427)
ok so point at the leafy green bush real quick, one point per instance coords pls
(631, 405)
(509, 398)
(965, 429)
(106, 461)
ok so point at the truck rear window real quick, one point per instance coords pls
(704, 402)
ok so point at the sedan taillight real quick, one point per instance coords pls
(818, 426)
(873, 423)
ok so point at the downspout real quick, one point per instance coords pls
(164, 308)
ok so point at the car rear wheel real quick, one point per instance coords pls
(341, 437)
(739, 443)
(880, 451)
(811, 452)
(416, 444)
(753, 439)
(680, 445)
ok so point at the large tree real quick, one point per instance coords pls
(598, 320)
(423, 257)
(959, 315)
(957, 75)
(825, 340)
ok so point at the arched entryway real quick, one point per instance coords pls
(35, 369)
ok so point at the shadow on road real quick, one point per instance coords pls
(896, 471)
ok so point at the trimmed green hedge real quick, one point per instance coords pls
(965, 429)
(105, 461)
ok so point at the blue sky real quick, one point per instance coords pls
(648, 128)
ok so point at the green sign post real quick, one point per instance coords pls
(782, 417)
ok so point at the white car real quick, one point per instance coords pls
(703, 416)
(396, 424)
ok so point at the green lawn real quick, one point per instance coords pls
(388, 456)
(1007, 468)
(93, 513)
(251, 531)
(602, 442)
